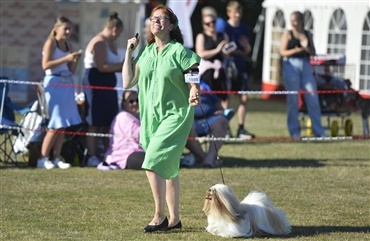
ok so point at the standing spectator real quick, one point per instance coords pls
(208, 45)
(237, 63)
(296, 47)
(59, 62)
(101, 63)
(124, 151)
(220, 26)
(166, 109)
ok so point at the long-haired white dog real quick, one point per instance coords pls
(255, 215)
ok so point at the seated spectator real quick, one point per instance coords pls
(208, 114)
(124, 151)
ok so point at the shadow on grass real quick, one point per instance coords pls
(21, 165)
(306, 231)
(270, 163)
(297, 231)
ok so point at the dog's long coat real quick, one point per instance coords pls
(255, 215)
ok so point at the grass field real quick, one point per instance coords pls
(323, 186)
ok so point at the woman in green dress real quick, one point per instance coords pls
(166, 109)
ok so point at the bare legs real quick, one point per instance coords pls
(92, 141)
(194, 146)
(52, 139)
(173, 200)
(158, 186)
(219, 129)
(165, 190)
(242, 109)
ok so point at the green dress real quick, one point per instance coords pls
(165, 113)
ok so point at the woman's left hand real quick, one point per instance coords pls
(194, 97)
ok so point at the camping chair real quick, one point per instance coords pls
(29, 124)
(8, 126)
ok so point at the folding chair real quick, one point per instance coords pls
(8, 126)
(6, 145)
(30, 123)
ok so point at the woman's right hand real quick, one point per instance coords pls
(132, 43)
(74, 56)
(194, 95)
(302, 49)
(220, 45)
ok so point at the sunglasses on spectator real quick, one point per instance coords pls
(132, 101)
(210, 23)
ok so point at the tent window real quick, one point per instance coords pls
(365, 55)
(337, 38)
(278, 26)
(308, 21)
(337, 33)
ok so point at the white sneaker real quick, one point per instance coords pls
(44, 163)
(61, 164)
(93, 161)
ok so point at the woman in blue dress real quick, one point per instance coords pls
(59, 62)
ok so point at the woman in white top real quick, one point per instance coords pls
(59, 62)
(101, 63)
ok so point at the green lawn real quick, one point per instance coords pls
(323, 186)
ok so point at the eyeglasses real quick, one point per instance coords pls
(160, 18)
(210, 23)
(132, 101)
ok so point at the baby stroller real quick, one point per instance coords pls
(336, 97)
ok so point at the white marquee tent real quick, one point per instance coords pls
(338, 27)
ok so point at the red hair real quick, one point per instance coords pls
(175, 32)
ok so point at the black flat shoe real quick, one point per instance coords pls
(161, 227)
(177, 226)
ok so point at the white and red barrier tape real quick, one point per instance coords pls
(249, 92)
(200, 139)
(205, 138)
